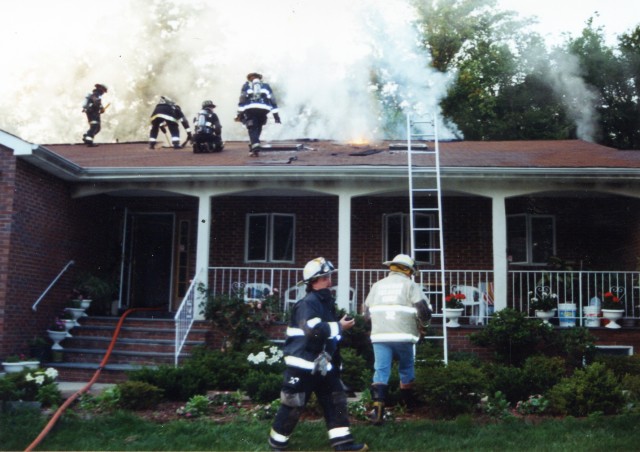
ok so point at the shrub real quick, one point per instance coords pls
(631, 384)
(542, 373)
(262, 387)
(451, 390)
(177, 383)
(356, 373)
(358, 339)
(576, 345)
(511, 335)
(621, 365)
(508, 380)
(137, 395)
(535, 404)
(594, 389)
(196, 406)
(217, 369)
(497, 406)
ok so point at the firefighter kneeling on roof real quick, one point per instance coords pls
(208, 131)
(169, 113)
(313, 362)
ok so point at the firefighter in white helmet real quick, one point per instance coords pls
(313, 362)
(394, 305)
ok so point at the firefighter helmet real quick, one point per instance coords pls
(403, 260)
(253, 75)
(101, 87)
(166, 100)
(208, 104)
(315, 269)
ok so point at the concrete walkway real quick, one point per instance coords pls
(68, 388)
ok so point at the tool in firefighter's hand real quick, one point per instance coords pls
(189, 138)
(276, 116)
(321, 363)
(103, 109)
(237, 118)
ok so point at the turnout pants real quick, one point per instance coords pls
(93, 118)
(254, 119)
(174, 130)
(297, 387)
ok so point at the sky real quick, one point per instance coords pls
(54, 52)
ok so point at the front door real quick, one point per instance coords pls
(150, 258)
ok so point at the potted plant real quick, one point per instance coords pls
(57, 332)
(94, 289)
(544, 303)
(612, 309)
(13, 364)
(453, 307)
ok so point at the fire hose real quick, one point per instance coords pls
(62, 408)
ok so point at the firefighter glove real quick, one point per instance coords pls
(276, 116)
(321, 363)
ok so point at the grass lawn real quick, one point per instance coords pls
(126, 431)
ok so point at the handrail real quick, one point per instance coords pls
(184, 317)
(71, 399)
(69, 264)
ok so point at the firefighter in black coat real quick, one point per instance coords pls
(169, 113)
(313, 363)
(93, 108)
(256, 101)
(208, 130)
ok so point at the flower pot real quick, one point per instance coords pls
(545, 315)
(613, 315)
(76, 312)
(68, 325)
(84, 304)
(11, 368)
(31, 364)
(452, 315)
(56, 337)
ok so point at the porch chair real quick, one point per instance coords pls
(352, 297)
(293, 294)
(474, 299)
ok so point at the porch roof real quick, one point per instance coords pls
(135, 161)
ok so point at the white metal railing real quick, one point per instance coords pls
(185, 316)
(55, 280)
(578, 287)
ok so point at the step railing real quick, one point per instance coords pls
(185, 317)
(55, 280)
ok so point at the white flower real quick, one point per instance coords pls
(29, 377)
(40, 379)
(51, 373)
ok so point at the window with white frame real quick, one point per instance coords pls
(270, 237)
(397, 236)
(531, 239)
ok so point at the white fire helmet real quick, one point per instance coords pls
(316, 268)
(404, 260)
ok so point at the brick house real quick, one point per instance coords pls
(156, 219)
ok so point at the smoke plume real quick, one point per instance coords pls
(332, 64)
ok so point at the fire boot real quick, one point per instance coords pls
(408, 397)
(361, 447)
(378, 395)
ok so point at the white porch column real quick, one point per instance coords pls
(499, 231)
(202, 249)
(344, 250)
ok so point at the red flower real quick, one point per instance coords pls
(454, 300)
(611, 301)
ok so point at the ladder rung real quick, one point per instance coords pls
(433, 337)
(425, 209)
(429, 249)
(424, 189)
(426, 229)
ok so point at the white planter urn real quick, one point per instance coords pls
(76, 312)
(613, 315)
(57, 337)
(12, 368)
(452, 315)
(545, 315)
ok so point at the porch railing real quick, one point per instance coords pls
(184, 317)
(577, 287)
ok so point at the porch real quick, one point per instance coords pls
(577, 287)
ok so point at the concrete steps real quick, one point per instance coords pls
(142, 342)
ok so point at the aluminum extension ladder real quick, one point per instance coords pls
(425, 208)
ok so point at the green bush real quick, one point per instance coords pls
(451, 390)
(510, 381)
(137, 395)
(575, 345)
(621, 365)
(218, 370)
(262, 387)
(594, 389)
(177, 383)
(511, 335)
(356, 373)
(196, 406)
(631, 384)
(541, 373)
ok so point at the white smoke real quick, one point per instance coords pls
(319, 58)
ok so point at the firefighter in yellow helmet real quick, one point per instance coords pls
(313, 361)
(393, 305)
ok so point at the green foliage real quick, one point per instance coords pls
(138, 395)
(242, 322)
(49, 395)
(631, 384)
(356, 372)
(357, 338)
(498, 406)
(262, 387)
(543, 372)
(108, 400)
(511, 335)
(621, 365)
(451, 390)
(196, 406)
(508, 380)
(535, 404)
(177, 383)
(588, 391)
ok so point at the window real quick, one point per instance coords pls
(397, 236)
(531, 239)
(270, 237)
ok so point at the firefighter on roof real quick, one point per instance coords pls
(313, 362)
(93, 108)
(169, 113)
(256, 101)
(208, 131)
